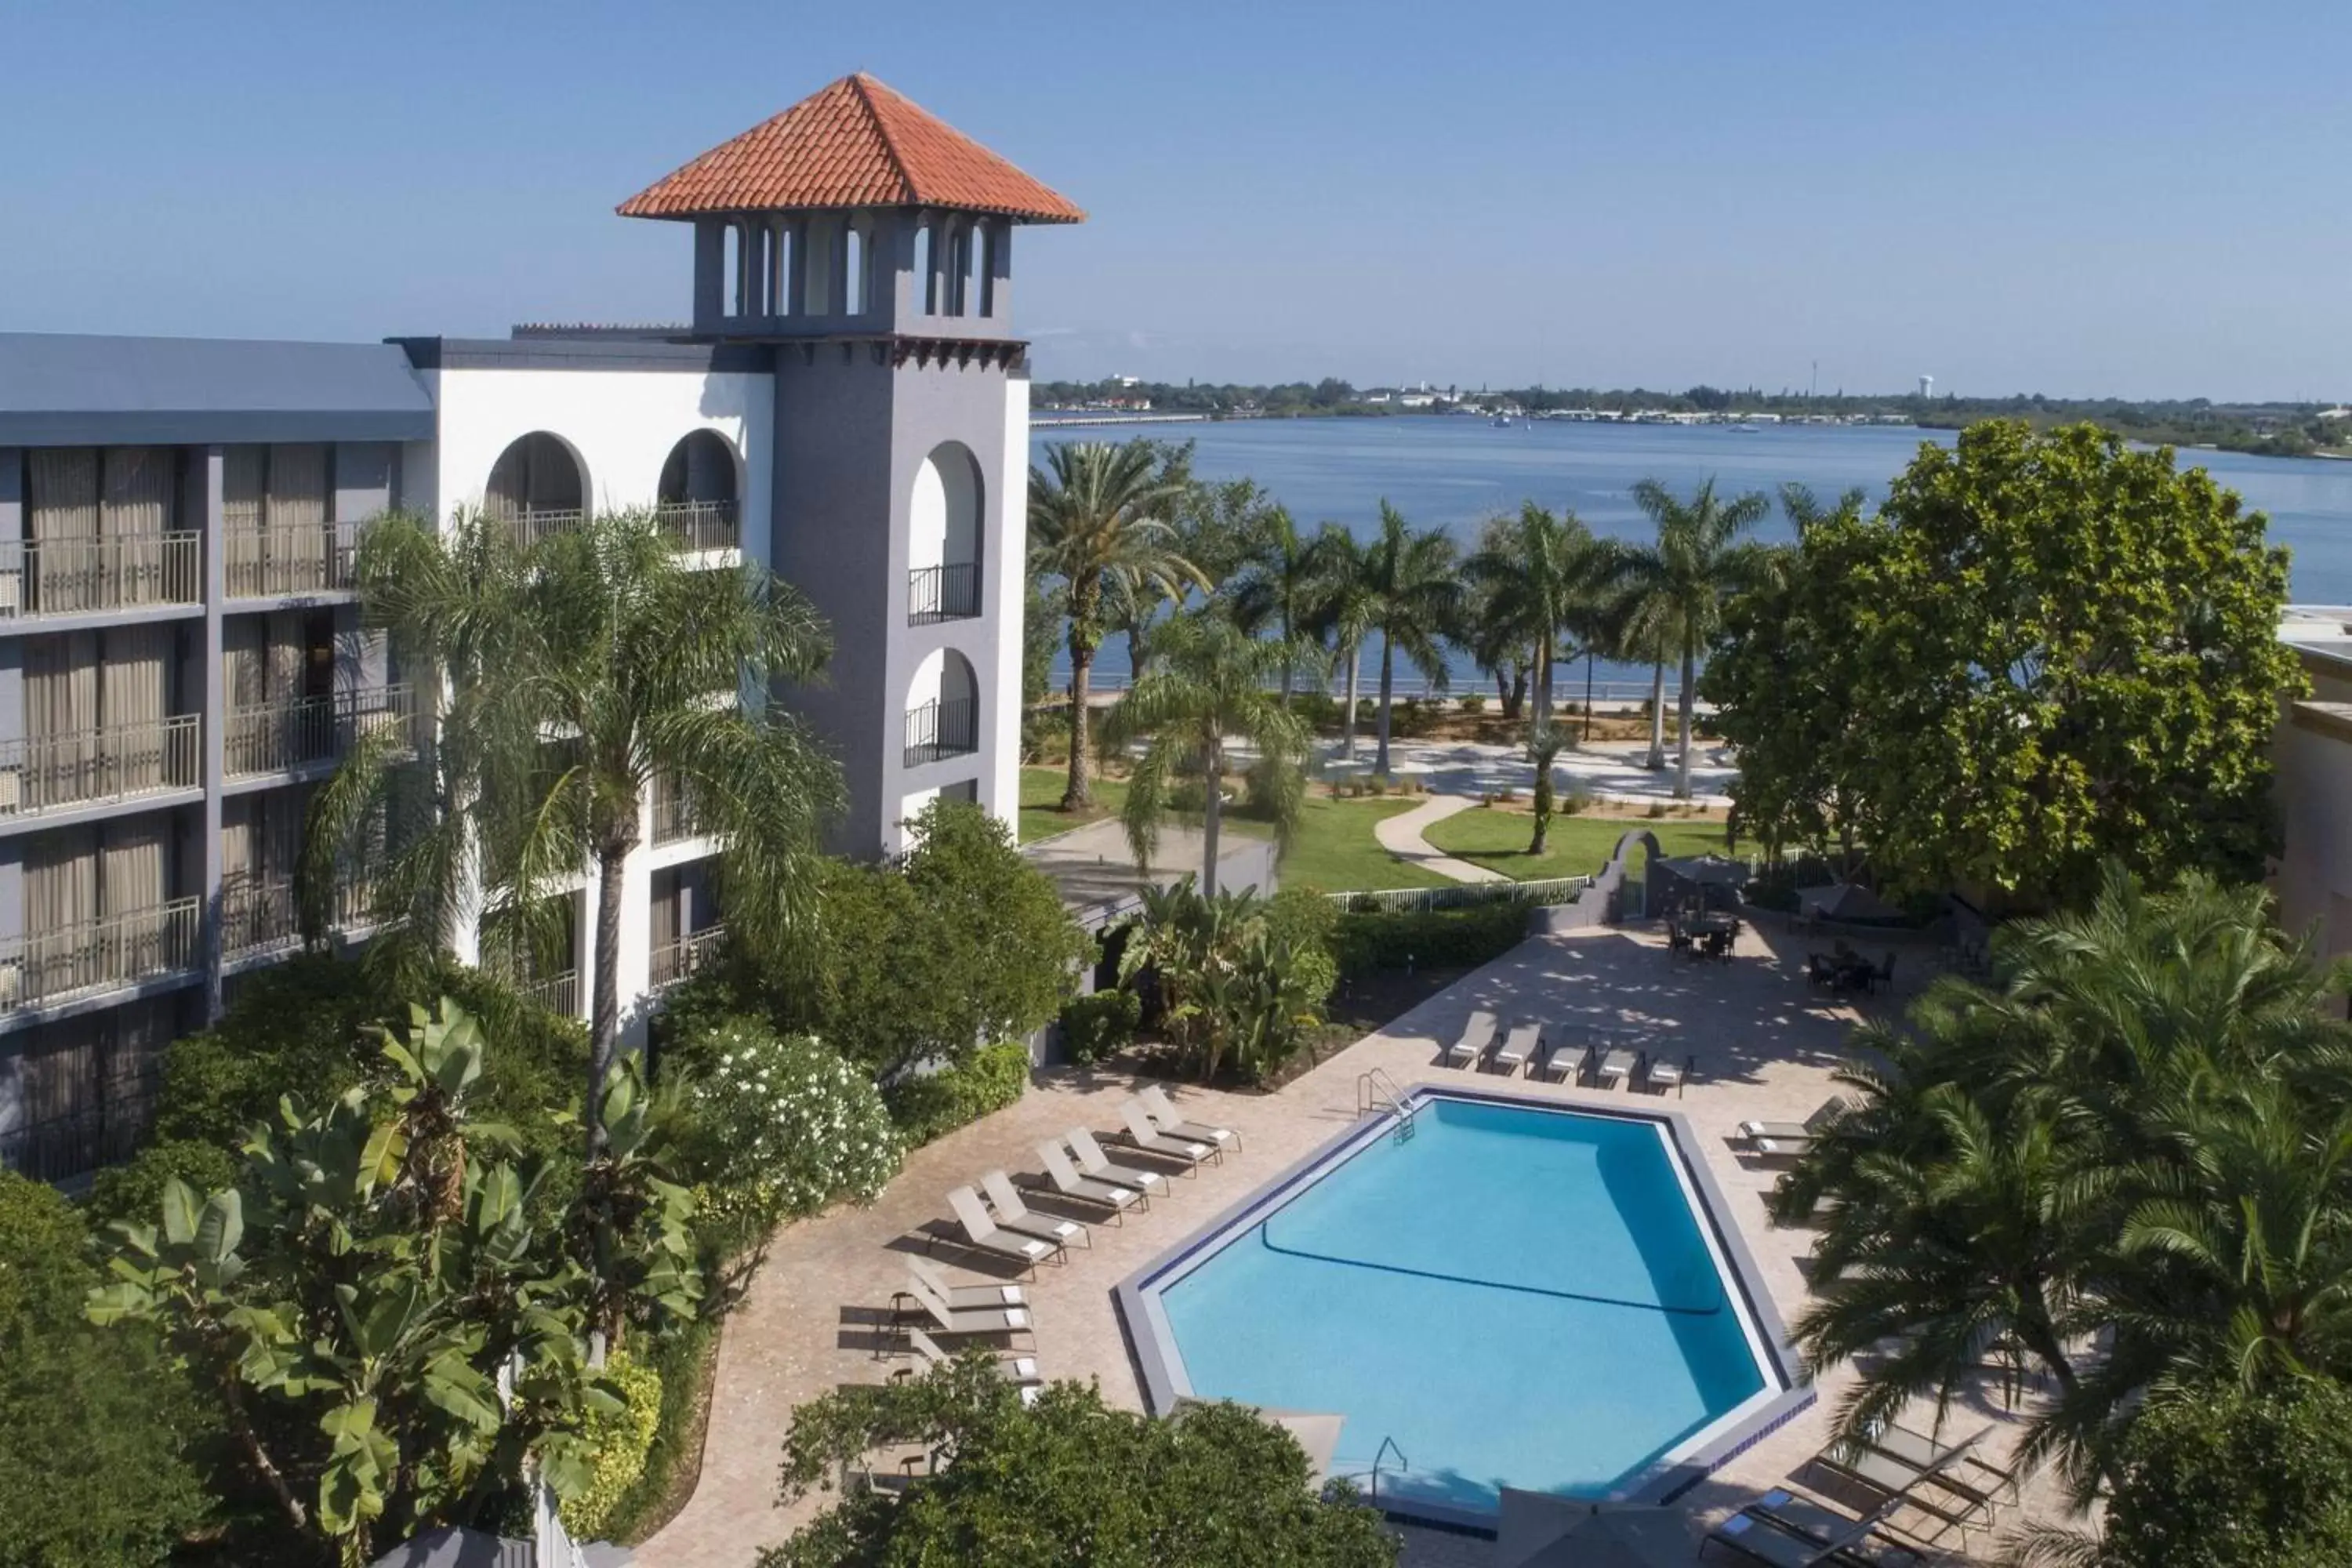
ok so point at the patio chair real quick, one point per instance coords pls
(947, 1320)
(1821, 971)
(1151, 1141)
(1064, 1179)
(1563, 1059)
(1759, 1539)
(1884, 974)
(1924, 1488)
(1615, 1066)
(981, 1234)
(1021, 1371)
(962, 1297)
(1794, 1131)
(1948, 1460)
(1169, 1120)
(1096, 1163)
(1022, 1220)
(1662, 1073)
(1476, 1035)
(1853, 1539)
(1516, 1048)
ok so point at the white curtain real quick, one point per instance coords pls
(132, 699)
(297, 519)
(63, 512)
(136, 510)
(243, 478)
(61, 712)
(244, 683)
(60, 901)
(131, 887)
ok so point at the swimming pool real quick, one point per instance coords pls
(1514, 1294)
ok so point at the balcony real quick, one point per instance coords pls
(267, 563)
(533, 525)
(90, 767)
(100, 956)
(942, 594)
(80, 1142)
(560, 995)
(674, 814)
(258, 916)
(90, 576)
(936, 731)
(674, 961)
(700, 525)
(273, 737)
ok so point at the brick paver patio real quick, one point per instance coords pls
(1764, 1044)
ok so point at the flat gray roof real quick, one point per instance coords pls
(60, 389)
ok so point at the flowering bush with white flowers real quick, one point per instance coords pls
(784, 1126)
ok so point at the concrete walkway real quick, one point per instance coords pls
(1609, 770)
(1401, 836)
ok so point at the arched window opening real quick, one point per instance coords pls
(536, 485)
(943, 708)
(943, 537)
(731, 259)
(780, 267)
(988, 260)
(698, 503)
(852, 271)
(926, 282)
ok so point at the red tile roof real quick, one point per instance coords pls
(853, 144)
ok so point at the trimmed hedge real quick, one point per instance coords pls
(935, 1104)
(622, 1439)
(1094, 1026)
(1428, 938)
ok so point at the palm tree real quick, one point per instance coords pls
(1539, 576)
(1674, 587)
(1281, 583)
(571, 675)
(1098, 520)
(1411, 593)
(1207, 691)
(1343, 613)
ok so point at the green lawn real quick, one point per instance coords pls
(1578, 847)
(1335, 849)
(1041, 794)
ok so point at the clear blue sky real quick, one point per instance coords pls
(2144, 199)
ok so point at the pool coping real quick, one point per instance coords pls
(1164, 1385)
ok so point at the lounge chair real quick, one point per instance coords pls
(1151, 1141)
(1476, 1035)
(1516, 1048)
(1109, 1196)
(1169, 1120)
(1021, 1371)
(1853, 1539)
(947, 1320)
(1096, 1163)
(1662, 1073)
(981, 1234)
(1021, 1219)
(1561, 1060)
(1780, 1148)
(1793, 1132)
(1947, 1460)
(1615, 1066)
(962, 1297)
(1958, 1505)
(1761, 1541)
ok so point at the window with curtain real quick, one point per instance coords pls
(296, 510)
(130, 893)
(133, 700)
(135, 511)
(245, 476)
(61, 878)
(61, 512)
(61, 716)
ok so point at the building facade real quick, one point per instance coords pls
(2313, 755)
(182, 658)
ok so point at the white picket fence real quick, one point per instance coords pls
(1462, 895)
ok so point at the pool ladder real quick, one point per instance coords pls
(1376, 1091)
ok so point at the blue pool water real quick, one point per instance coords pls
(1514, 1296)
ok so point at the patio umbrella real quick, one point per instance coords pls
(1845, 902)
(1708, 870)
(1582, 1536)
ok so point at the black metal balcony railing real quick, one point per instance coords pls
(82, 576)
(60, 1147)
(700, 525)
(937, 729)
(307, 558)
(115, 761)
(944, 592)
(674, 961)
(100, 956)
(674, 814)
(258, 915)
(272, 737)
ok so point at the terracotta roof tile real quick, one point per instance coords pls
(853, 144)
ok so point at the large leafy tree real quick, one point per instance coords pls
(1208, 691)
(2057, 651)
(1099, 519)
(571, 675)
(1542, 581)
(1673, 588)
(1280, 587)
(2126, 1162)
(1067, 1480)
(1410, 592)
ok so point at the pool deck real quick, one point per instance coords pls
(1764, 1042)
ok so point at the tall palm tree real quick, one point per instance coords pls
(574, 674)
(1674, 587)
(1410, 594)
(1206, 691)
(1098, 520)
(1541, 577)
(1281, 583)
(1343, 613)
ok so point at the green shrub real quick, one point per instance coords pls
(620, 1440)
(1474, 703)
(2228, 1479)
(1306, 922)
(1095, 1027)
(931, 1105)
(782, 1126)
(134, 1191)
(685, 1359)
(1368, 941)
(96, 1427)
